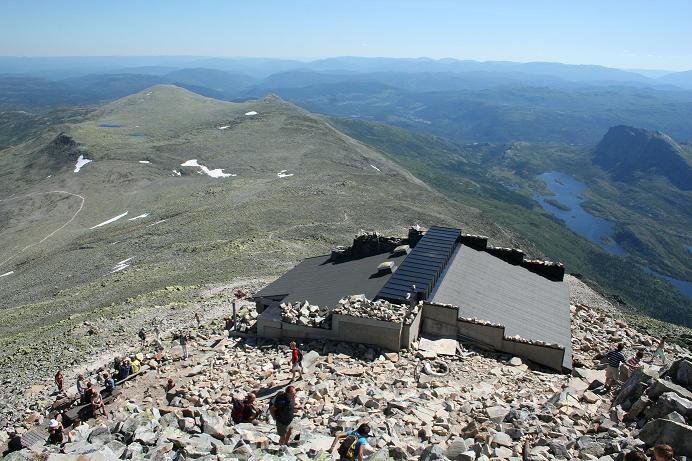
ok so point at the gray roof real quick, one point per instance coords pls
(487, 288)
(323, 282)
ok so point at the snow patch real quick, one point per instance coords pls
(176, 173)
(7, 273)
(81, 161)
(224, 127)
(216, 173)
(139, 217)
(110, 220)
(251, 113)
(148, 94)
(124, 264)
(157, 222)
(144, 161)
(282, 174)
(375, 167)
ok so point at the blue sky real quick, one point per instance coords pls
(624, 33)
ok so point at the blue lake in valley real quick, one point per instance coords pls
(565, 204)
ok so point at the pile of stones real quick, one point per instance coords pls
(360, 306)
(306, 314)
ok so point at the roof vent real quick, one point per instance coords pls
(386, 267)
(401, 250)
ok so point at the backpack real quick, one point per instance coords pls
(347, 449)
(300, 356)
(272, 404)
(238, 410)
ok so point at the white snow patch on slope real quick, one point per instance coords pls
(282, 174)
(216, 173)
(144, 161)
(224, 127)
(139, 217)
(81, 161)
(7, 273)
(176, 173)
(252, 112)
(110, 220)
(375, 167)
(124, 264)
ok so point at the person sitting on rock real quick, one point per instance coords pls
(634, 362)
(283, 409)
(56, 432)
(170, 385)
(109, 383)
(125, 370)
(296, 361)
(80, 386)
(89, 392)
(142, 336)
(59, 380)
(352, 443)
(245, 411)
(15, 443)
(97, 404)
(635, 455)
(136, 366)
(615, 358)
(663, 452)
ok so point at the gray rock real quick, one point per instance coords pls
(661, 386)
(678, 436)
(145, 435)
(456, 447)
(667, 403)
(214, 426)
(684, 374)
(432, 452)
(100, 435)
(675, 417)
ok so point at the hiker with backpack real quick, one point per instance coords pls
(296, 361)
(143, 336)
(283, 409)
(183, 344)
(245, 411)
(352, 443)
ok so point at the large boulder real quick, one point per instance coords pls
(677, 435)
(669, 402)
(683, 376)
(661, 386)
(214, 425)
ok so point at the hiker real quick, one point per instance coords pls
(183, 344)
(296, 361)
(283, 409)
(615, 358)
(352, 443)
(245, 411)
(170, 385)
(59, 380)
(97, 404)
(88, 392)
(663, 452)
(136, 366)
(635, 455)
(228, 325)
(109, 382)
(15, 442)
(143, 336)
(198, 319)
(157, 334)
(80, 386)
(634, 362)
(660, 351)
(56, 433)
(125, 369)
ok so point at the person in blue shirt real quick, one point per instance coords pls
(615, 358)
(352, 443)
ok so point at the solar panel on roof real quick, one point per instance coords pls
(423, 265)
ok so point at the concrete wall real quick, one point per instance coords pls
(367, 331)
(548, 356)
(410, 333)
(443, 321)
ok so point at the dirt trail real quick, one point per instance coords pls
(2, 263)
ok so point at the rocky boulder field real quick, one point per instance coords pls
(487, 406)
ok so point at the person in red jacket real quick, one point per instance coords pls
(296, 361)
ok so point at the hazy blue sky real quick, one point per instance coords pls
(626, 33)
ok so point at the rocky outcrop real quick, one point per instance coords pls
(625, 152)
